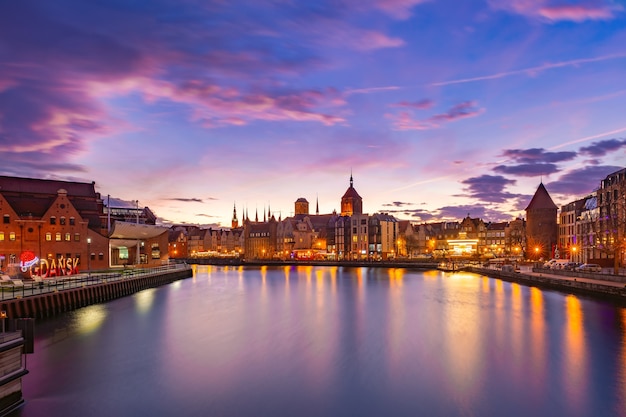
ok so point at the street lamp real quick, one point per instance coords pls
(88, 257)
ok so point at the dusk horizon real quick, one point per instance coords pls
(437, 110)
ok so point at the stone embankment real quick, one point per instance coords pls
(593, 285)
(48, 304)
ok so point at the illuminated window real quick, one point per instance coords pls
(355, 238)
(72, 221)
(58, 237)
(7, 219)
(48, 236)
(68, 237)
(1, 236)
(12, 236)
(53, 220)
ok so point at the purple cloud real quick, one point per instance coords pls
(550, 11)
(577, 13)
(582, 181)
(601, 148)
(397, 204)
(424, 104)
(405, 121)
(537, 155)
(489, 188)
(527, 170)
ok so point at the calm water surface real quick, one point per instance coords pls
(324, 341)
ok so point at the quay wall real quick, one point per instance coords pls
(53, 303)
(592, 289)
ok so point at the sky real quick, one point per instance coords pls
(437, 108)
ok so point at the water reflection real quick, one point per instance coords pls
(315, 341)
(574, 356)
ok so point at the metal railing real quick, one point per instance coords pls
(20, 289)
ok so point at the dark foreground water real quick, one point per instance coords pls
(305, 341)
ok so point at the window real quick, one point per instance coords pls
(62, 221)
(58, 237)
(12, 236)
(53, 220)
(77, 237)
(72, 221)
(68, 237)
(1, 236)
(7, 219)
(101, 256)
(48, 236)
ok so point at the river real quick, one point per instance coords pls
(332, 341)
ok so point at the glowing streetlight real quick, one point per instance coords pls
(88, 257)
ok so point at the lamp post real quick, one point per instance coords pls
(88, 258)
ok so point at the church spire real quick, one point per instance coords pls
(235, 221)
(317, 205)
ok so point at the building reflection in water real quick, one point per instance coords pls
(463, 351)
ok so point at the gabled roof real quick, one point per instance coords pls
(541, 200)
(33, 197)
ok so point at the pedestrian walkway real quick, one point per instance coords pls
(527, 270)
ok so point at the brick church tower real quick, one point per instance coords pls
(541, 225)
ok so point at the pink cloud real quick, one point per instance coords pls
(424, 104)
(550, 11)
(400, 9)
(576, 13)
(405, 121)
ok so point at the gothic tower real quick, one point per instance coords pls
(541, 225)
(351, 202)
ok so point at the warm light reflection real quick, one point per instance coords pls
(575, 359)
(516, 325)
(463, 343)
(622, 373)
(397, 326)
(396, 276)
(144, 300)
(485, 285)
(89, 319)
(430, 274)
(537, 343)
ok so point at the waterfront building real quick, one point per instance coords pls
(515, 238)
(52, 228)
(541, 225)
(47, 224)
(475, 228)
(433, 237)
(495, 240)
(569, 216)
(383, 239)
(586, 225)
(611, 231)
(177, 242)
(260, 239)
(407, 239)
